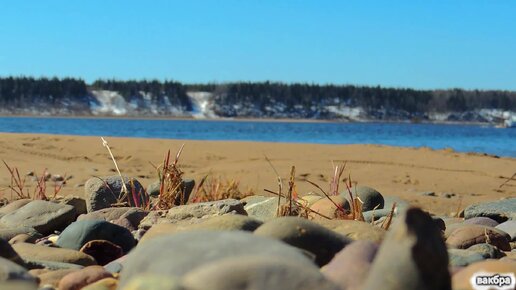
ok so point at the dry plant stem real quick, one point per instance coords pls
(17, 183)
(327, 196)
(337, 174)
(105, 144)
(291, 185)
(300, 205)
(280, 185)
(387, 222)
(508, 180)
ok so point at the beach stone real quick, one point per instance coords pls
(401, 206)
(50, 265)
(261, 207)
(461, 279)
(10, 271)
(154, 282)
(439, 222)
(350, 267)
(370, 197)
(219, 223)
(327, 208)
(79, 279)
(412, 256)
(355, 230)
(462, 258)
(102, 251)
(78, 203)
(103, 193)
(20, 285)
(7, 252)
(177, 254)
(481, 221)
(43, 253)
(9, 233)
(44, 216)
(205, 209)
(499, 211)
(103, 284)
(52, 278)
(467, 236)
(24, 238)
(487, 251)
(115, 266)
(508, 227)
(256, 273)
(306, 235)
(132, 214)
(76, 235)
(13, 206)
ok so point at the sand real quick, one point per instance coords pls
(394, 171)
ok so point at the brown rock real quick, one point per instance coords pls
(83, 277)
(465, 237)
(327, 208)
(53, 277)
(104, 284)
(350, 267)
(23, 238)
(43, 253)
(102, 251)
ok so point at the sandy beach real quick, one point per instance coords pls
(394, 171)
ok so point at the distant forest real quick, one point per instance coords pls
(20, 91)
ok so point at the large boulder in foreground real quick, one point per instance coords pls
(44, 216)
(10, 271)
(178, 254)
(412, 256)
(105, 192)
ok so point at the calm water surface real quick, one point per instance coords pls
(464, 138)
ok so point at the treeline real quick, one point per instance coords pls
(158, 92)
(21, 91)
(255, 98)
(370, 98)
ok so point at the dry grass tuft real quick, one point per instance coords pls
(217, 188)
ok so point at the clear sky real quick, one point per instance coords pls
(414, 43)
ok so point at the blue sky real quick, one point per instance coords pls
(420, 44)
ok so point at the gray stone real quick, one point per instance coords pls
(50, 265)
(462, 258)
(261, 207)
(256, 273)
(104, 193)
(44, 216)
(370, 197)
(487, 251)
(31, 252)
(412, 256)
(175, 255)
(500, 211)
(482, 221)
(401, 206)
(77, 202)
(9, 233)
(133, 214)
(350, 267)
(508, 227)
(13, 205)
(76, 235)
(306, 235)
(205, 209)
(10, 271)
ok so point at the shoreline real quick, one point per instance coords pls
(271, 120)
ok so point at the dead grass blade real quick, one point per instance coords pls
(388, 220)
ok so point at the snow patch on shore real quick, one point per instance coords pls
(108, 102)
(202, 105)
